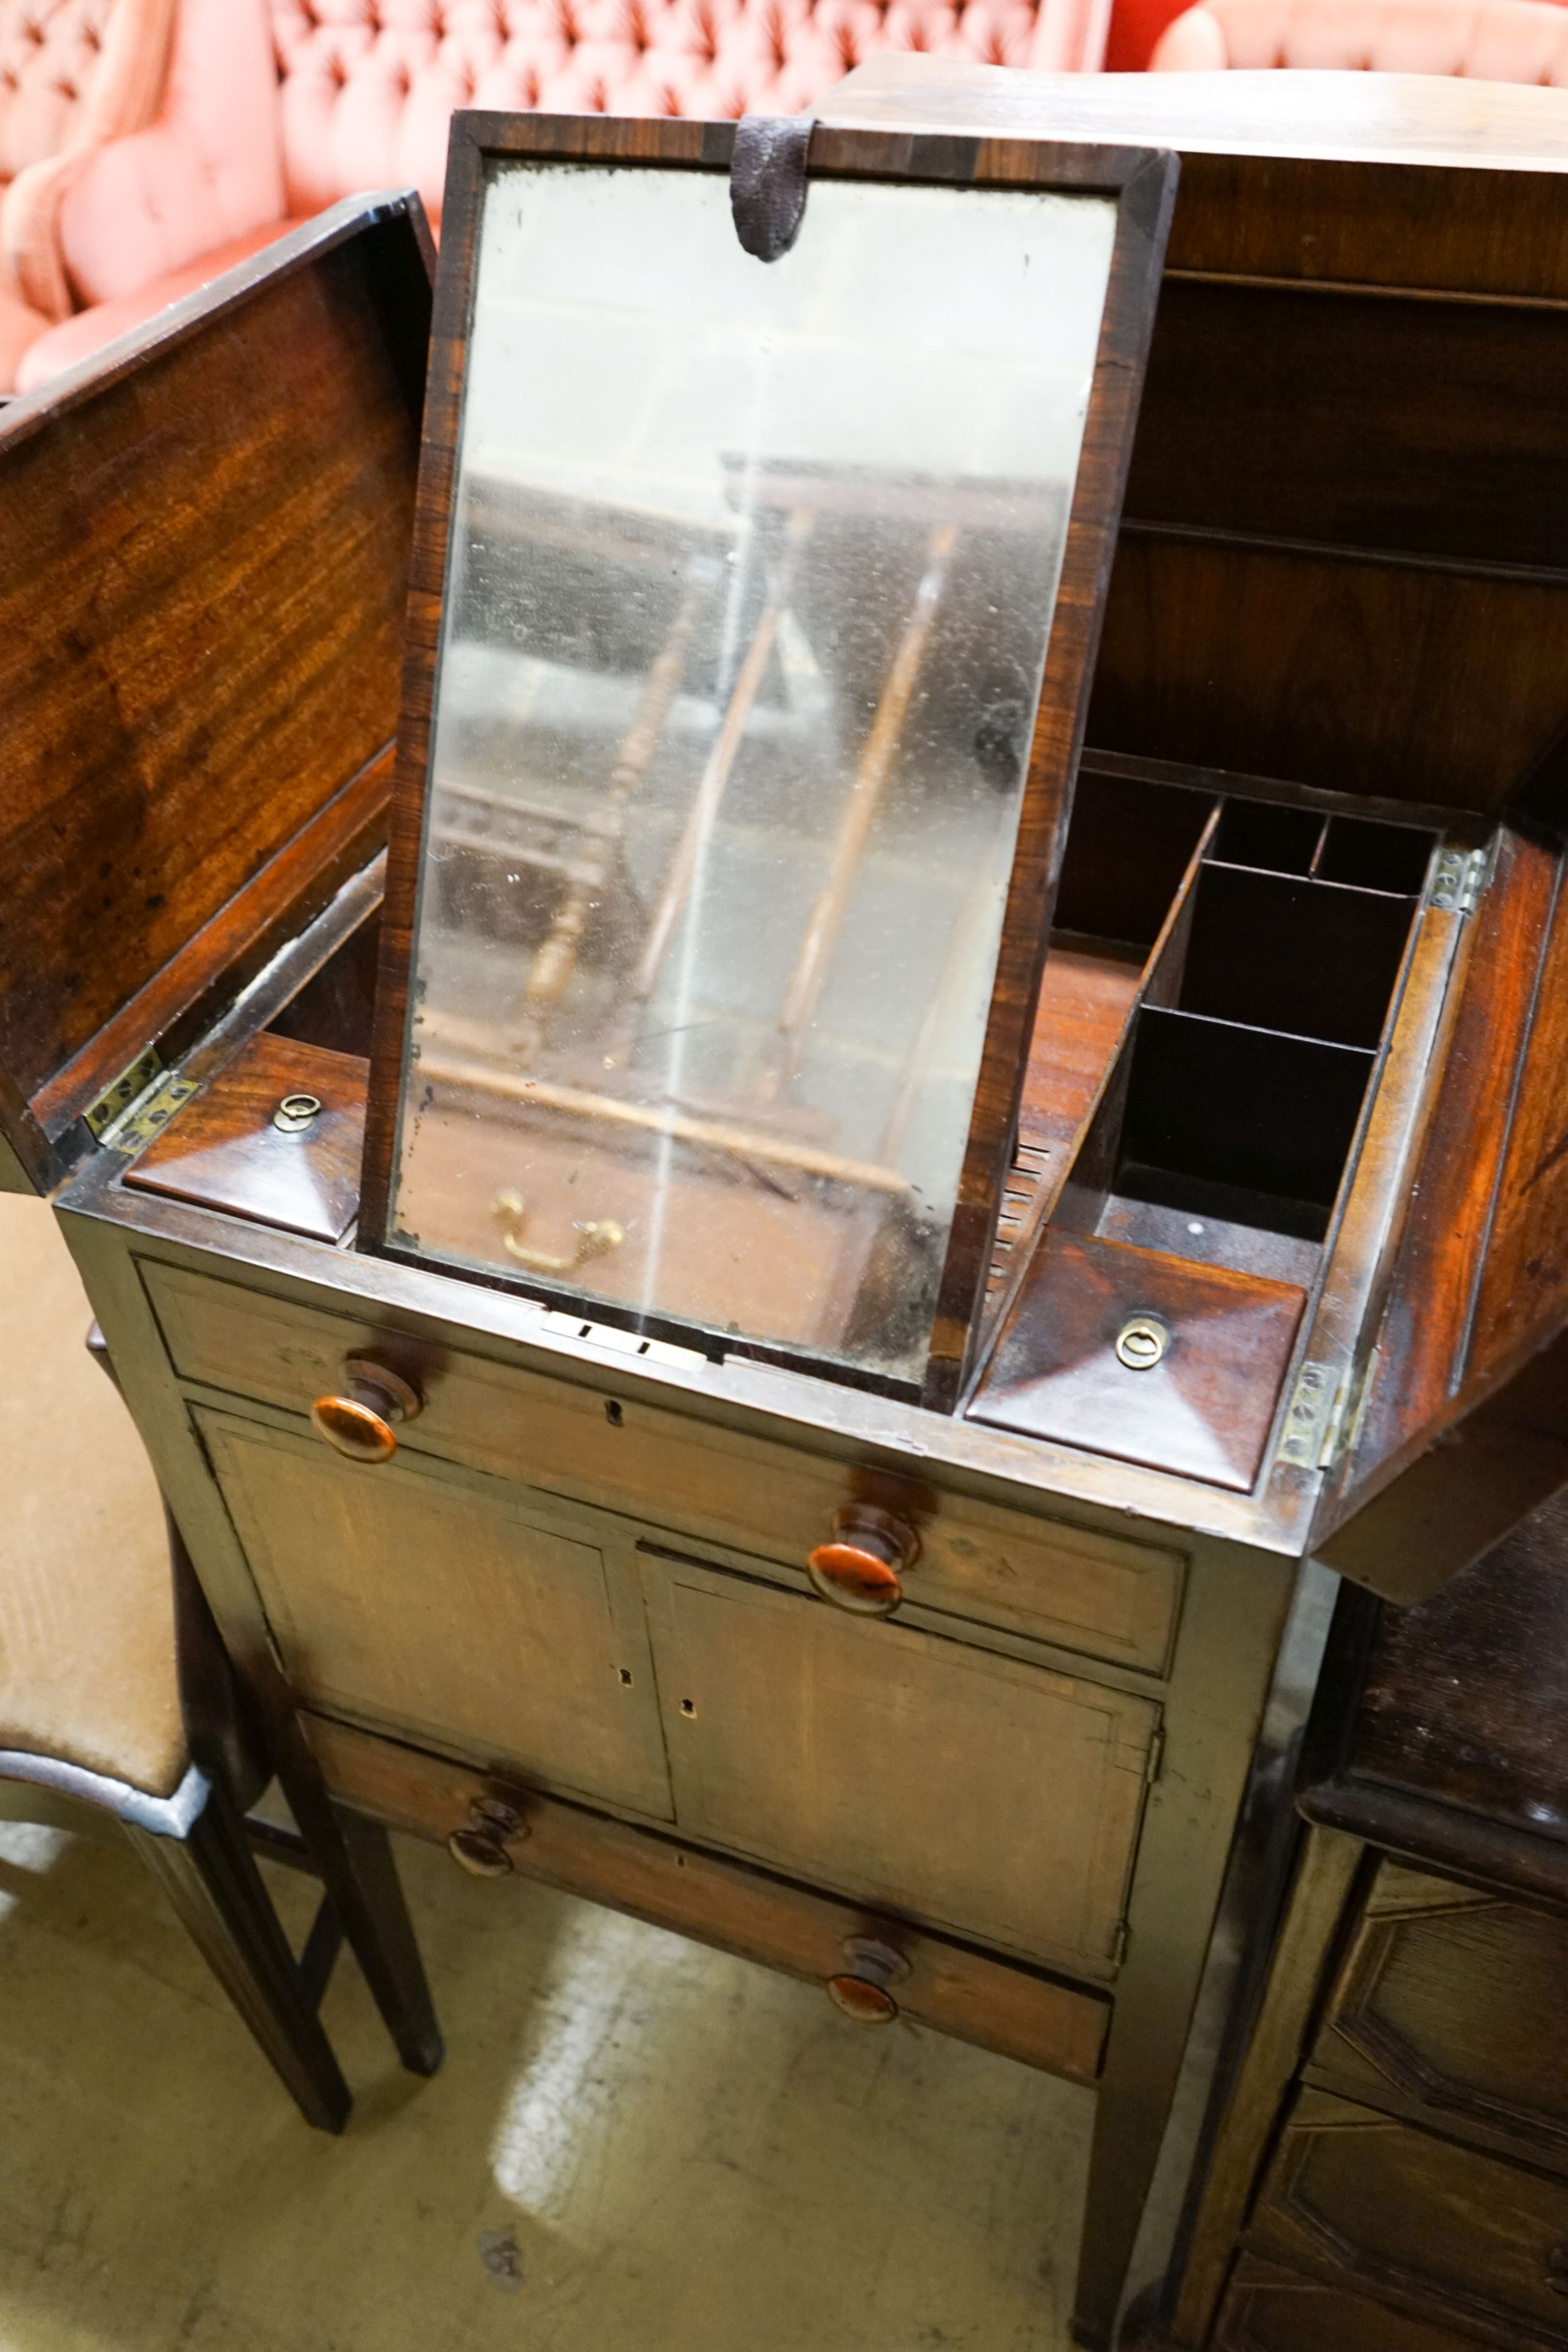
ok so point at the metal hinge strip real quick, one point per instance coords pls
(138, 1105)
(1459, 878)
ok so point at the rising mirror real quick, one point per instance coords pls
(749, 584)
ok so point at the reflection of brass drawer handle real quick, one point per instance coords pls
(593, 1240)
(358, 1422)
(862, 1991)
(862, 1570)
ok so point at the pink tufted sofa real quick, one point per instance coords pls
(276, 107)
(1486, 40)
(74, 75)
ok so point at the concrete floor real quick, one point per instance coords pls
(634, 2143)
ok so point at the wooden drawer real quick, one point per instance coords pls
(1271, 2309)
(1454, 2001)
(1417, 2221)
(1023, 2014)
(1050, 1582)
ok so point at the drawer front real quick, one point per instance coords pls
(990, 1797)
(473, 1619)
(1455, 1999)
(1056, 2027)
(1050, 1582)
(1267, 2309)
(1418, 2219)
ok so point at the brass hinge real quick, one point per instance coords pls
(1119, 1943)
(138, 1105)
(1154, 1762)
(1313, 1422)
(1325, 1414)
(1459, 878)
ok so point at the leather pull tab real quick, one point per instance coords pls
(768, 181)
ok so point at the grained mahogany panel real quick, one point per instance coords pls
(203, 562)
(223, 1152)
(1205, 1408)
(1422, 427)
(1427, 1320)
(1395, 679)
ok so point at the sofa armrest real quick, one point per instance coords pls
(91, 225)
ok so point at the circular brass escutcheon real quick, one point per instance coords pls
(295, 1113)
(479, 1856)
(1142, 1341)
(867, 2003)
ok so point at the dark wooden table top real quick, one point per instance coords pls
(1441, 1732)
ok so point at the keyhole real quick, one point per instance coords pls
(626, 1676)
(688, 1706)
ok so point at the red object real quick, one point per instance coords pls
(1135, 27)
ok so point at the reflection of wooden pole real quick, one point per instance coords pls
(738, 1143)
(871, 775)
(553, 963)
(721, 760)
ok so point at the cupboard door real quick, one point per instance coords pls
(1267, 2309)
(993, 1798)
(417, 1601)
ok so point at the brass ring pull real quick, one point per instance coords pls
(863, 1991)
(862, 1568)
(358, 1422)
(595, 1239)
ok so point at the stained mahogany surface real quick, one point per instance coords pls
(1205, 1408)
(1456, 1704)
(202, 558)
(223, 1152)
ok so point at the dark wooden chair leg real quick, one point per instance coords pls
(212, 1882)
(354, 1860)
(353, 1857)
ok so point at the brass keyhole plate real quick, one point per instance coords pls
(1142, 1341)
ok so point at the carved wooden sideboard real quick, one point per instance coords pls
(572, 1608)
(1389, 2168)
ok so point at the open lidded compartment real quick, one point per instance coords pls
(204, 539)
(755, 612)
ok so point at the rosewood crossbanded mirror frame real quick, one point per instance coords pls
(753, 612)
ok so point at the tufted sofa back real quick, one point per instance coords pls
(368, 85)
(71, 70)
(1496, 40)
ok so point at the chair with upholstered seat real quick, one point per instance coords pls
(117, 1708)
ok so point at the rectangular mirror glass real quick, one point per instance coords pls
(750, 582)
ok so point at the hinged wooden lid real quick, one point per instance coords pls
(204, 550)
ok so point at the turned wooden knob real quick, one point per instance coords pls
(481, 1848)
(862, 1568)
(358, 1421)
(863, 1991)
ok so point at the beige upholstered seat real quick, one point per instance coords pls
(86, 1613)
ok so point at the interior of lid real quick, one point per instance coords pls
(1342, 559)
(203, 570)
